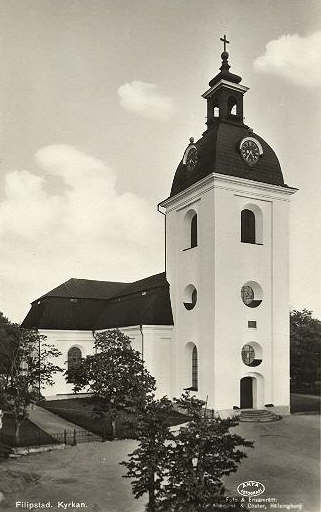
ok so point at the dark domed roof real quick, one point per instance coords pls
(218, 151)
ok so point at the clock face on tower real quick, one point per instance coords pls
(251, 150)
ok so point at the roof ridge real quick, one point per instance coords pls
(90, 280)
(68, 289)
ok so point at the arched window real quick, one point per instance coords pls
(190, 235)
(194, 369)
(74, 361)
(232, 106)
(216, 111)
(194, 231)
(248, 227)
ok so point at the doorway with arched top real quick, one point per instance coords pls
(246, 393)
(251, 391)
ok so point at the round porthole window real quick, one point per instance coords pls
(251, 294)
(251, 356)
(190, 297)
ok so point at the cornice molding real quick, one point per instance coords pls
(219, 180)
(228, 85)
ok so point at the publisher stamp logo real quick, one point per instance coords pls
(250, 488)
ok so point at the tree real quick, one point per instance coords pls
(305, 349)
(115, 375)
(184, 472)
(204, 452)
(27, 367)
(146, 466)
(8, 340)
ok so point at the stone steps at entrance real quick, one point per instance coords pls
(258, 415)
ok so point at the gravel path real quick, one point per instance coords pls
(50, 422)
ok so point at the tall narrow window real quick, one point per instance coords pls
(194, 369)
(194, 231)
(248, 227)
(74, 361)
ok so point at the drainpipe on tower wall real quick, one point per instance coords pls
(163, 213)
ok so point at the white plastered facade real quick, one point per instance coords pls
(218, 267)
(154, 342)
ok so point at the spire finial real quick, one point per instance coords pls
(225, 42)
(225, 65)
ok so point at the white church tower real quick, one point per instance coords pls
(227, 259)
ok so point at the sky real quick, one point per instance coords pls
(98, 100)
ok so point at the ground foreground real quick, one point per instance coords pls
(285, 460)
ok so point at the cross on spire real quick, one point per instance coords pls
(224, 41)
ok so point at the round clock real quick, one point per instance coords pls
(250, 150)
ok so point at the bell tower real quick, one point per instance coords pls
(227, 260)
(225, 96)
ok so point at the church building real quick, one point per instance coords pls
(217, 320)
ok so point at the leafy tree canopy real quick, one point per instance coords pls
(115, 374)
(184, 471)
(305, 345)
(27, 364)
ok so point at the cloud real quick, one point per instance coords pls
(144, 99)
(89, 230)
(293, 57)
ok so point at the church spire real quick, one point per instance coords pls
(225, 67)
(225, 96)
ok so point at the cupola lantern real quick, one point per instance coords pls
(225, 96)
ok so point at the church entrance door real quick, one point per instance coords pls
(246, 392)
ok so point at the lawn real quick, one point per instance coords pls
(81, 412)
(30, 434)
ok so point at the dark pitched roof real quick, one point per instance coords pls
(63, 313)
(81, 304)
(155, 281)
(149, 307)
(218, 151)
(86, 289)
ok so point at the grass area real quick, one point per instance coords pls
(30, 434)
(81, 412)
(305, 403)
